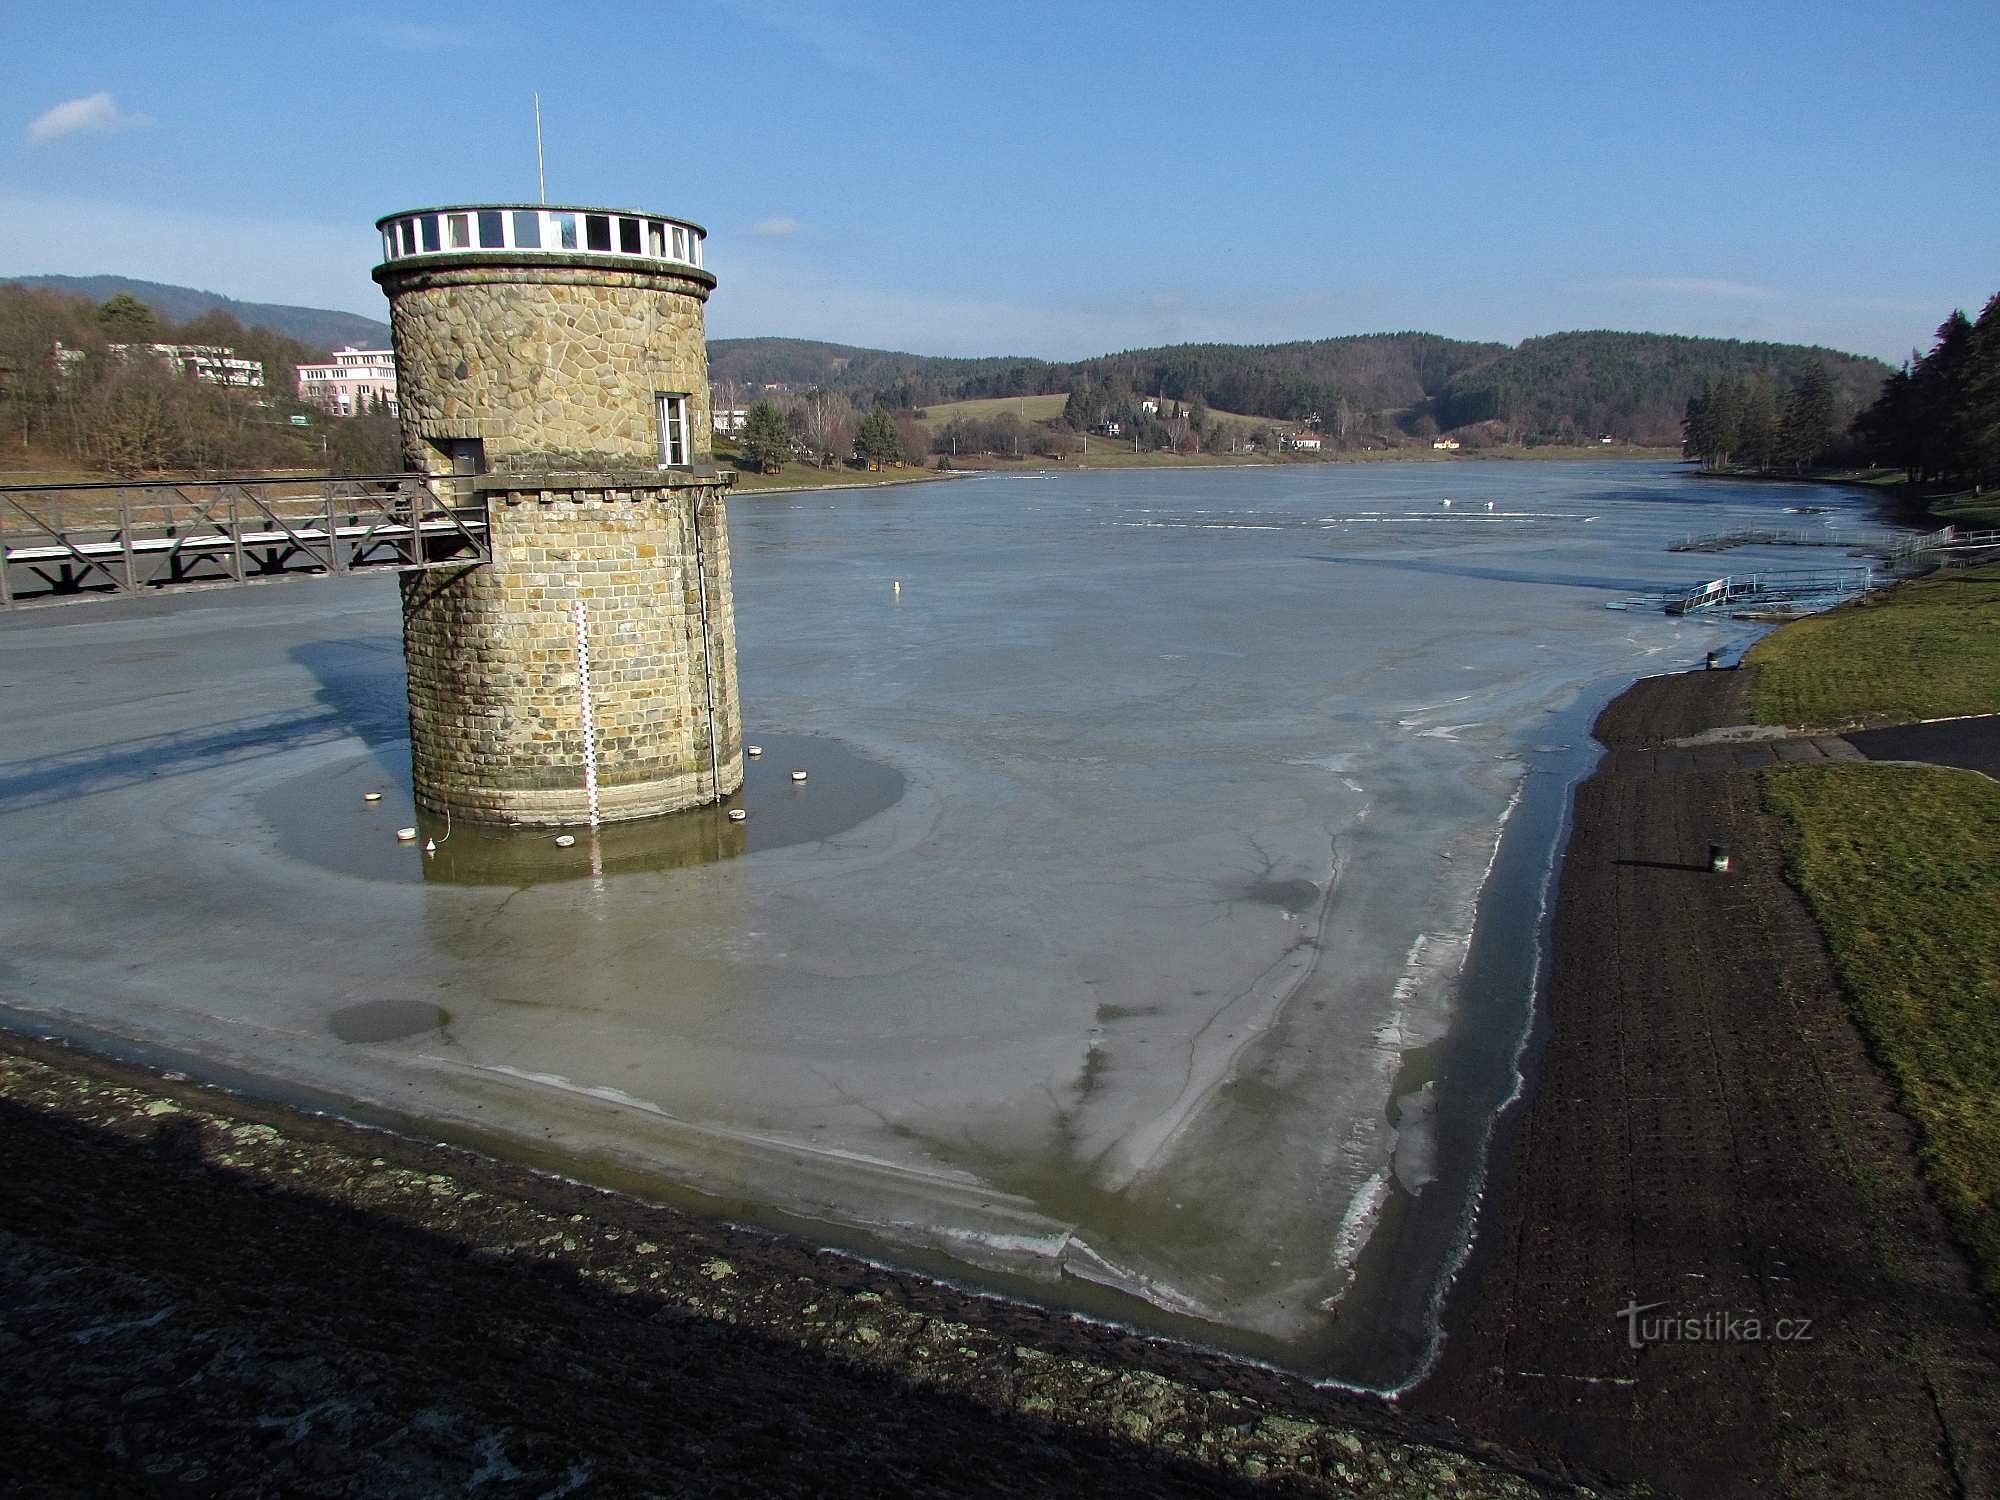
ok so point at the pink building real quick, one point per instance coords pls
(355, 380)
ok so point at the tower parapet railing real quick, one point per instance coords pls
(537, 229)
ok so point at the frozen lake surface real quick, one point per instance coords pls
(1116, 951)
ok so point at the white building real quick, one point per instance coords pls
(729, 418)
(353, 381)
(1305, 441)
(215, 363)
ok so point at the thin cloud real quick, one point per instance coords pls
(1695, 286)
(93, 114)
(775, 229)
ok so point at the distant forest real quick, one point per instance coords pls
(1564, 387)
(1366, 390)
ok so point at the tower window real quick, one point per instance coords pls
(628, 236)
(490, 233)
(673, 432)
(597, 231)
(528, 231)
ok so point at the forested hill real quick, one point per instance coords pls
(1635, 386)
(316, 327)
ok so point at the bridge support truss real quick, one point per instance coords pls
(85, 541)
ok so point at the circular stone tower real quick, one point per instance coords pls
(552, 368)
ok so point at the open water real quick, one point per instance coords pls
(1131, 945)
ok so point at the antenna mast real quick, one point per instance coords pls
(541, 182)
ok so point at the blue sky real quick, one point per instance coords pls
(1058, 180)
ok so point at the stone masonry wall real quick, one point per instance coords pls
(495, 700)
(562, 362)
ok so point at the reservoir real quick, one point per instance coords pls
(1154, 934)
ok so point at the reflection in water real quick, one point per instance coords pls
(322, 819)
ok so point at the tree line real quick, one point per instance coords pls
(1733, 423)
(1938, 417)
(1365, 390)
(66, 396)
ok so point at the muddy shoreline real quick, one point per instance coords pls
(1706, 1139)
(208, 1294)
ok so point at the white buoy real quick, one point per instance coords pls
(1447, 504)
(406, 835)
(564, 840)
(430, 846)
(737, 815)
(899, 585)
(371, 796)
(1489, 505)
(798, 776)
(753, 751)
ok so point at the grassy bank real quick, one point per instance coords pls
(1902, 867)
(1901, 864)
(1928, 649)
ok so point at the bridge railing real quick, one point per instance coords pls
(80, 541)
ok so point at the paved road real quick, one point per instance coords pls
(1971, 743)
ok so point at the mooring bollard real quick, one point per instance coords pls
(1718, 859)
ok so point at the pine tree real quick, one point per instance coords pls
(1756, 442)
(877, 441)
(767, 438)
(1807, 426)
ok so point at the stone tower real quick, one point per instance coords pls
(553, 362)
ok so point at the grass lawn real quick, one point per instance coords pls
(1927, 649)
(1033, 409)
(1902, 867)
(1970, 512)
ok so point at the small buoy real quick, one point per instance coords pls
(899, 585)
(1447, 505)
(430, 846)
(564, 840)
(737, 815)
(406, 835)
(1489, 505)
(753, 751)
(371, 796)
(798, 776)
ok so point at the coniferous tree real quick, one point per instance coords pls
(767, 438)
(1756, 442)
(877, 439)
(1807, 425)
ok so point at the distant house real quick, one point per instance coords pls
(729, 418)
(1303, 441)
(1445, 444)
(1108, 429)
(1150, 407)
(1605, 438)
(351, 382)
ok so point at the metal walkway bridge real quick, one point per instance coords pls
(1894, 547)
(87, 541)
